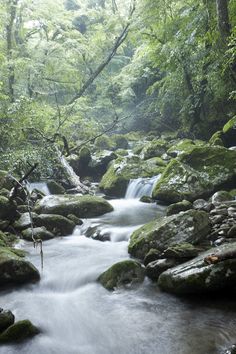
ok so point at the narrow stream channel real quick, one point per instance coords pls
(78, 316)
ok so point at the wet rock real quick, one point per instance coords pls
(217, 219)
(81, 206)
(232, 232)
(155, 268)
(231, 350)
(178, 207)
(151, 256)
(181, 251)
(57, 224)
(156, 148)
(191, 226)
(146, 199)
(196, 174)
(14, 270)
(40, 233)
(197, 276)
(221, 196)
(18, 332)
(121, 274)
(75, 219)
(6, 319)
(55, 188)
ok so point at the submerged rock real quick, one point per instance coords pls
(85, 206)
(14, 270)
(197, 276)
(18, 332)
(6, 319)
(191, 226)
(121, 274)
(196, 174)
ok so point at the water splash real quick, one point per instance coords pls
(140, 187)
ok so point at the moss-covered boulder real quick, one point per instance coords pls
(196, 174)
(6, 319)
(229, 133)
(80, 162)
(156, 268)
(85, 206)
(100, 161)
(105, 142)
(122, 274)
(39, 233)
(7, 209)
(155, 148)
(122, 170)
(152, 255)
(191, 226)
(120, 141)
(15, 270)
(178, 207)
(197, 276)
(181, 251)
(18, 332)
(6, 181)
(221, 196)
(55, 188)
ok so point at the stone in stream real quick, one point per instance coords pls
(18, 332)
(55, 188)
(196, 174)
(197, 276)
(14, 270)
(156, 268)
(40, 233)
(6, 319)
(121, 274)
(85, 206)
(151, 256)
(191, 226)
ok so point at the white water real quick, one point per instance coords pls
(140, 187)
(41, 186)
(78, 316)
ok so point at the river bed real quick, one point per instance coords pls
(78, 316)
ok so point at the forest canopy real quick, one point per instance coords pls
(70, 69)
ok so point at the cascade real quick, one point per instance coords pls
(140, 187)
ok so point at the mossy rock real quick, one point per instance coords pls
(18, 332)
(216, 139)
(181, 251)
(156, 268)
(57, 224)
(152, 255)
(55, 188)
(105, 142)
(100, 161)
(183, 146)
(7, 209)
(191, 226)
(6, 319)
(40, 233)
(199, 277)
(122, 170)
(14, 270)
(4, 192)
(6, 181)
(85, 206)
(7, 239)
(155, 148)
(221, 196)
(196, 174)
(121, 274)
(178, 207)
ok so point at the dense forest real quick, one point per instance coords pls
(117, 176)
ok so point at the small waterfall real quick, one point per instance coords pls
(140, 187)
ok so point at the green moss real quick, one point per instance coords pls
(231, 124)
(121, 274)
(55, 188)
(120, 141)
(105, 142)
(196, 174)
(19, 331)
(178, 207)
(155, 148)
(216, 139)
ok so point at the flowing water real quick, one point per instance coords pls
(78, 316)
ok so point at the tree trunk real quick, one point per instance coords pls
(223, 19)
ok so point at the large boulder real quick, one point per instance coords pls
(15, 270)
(85, 206)
(122, 170)
(121, 274)
(100, 161)
(18, 332)
(197, 276)
(40, 233)
(196, 174)
(155, 148)
(191, 226)
(57, 224)
(55, 188)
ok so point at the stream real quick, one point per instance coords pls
(78, 316)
